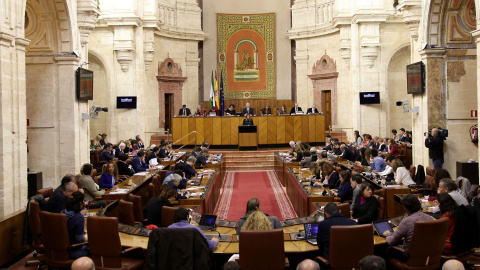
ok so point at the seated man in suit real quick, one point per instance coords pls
(189, 171)
(161, 152)
(332, 217)
(267, 110)
(89, 186)
(119, 149)
(295, 109)
(247, 109)
(184, 111)
(153, 155)
(313, 109)
(346, 153)
(202, 160)
(56, 202)
(138, 162)
(108, 153)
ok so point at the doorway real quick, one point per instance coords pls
(327, 104)
(168, 111)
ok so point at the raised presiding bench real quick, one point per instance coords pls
(270, 129)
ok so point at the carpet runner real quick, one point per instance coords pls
(239, 187)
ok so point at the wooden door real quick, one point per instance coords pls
(327, 99)
(168, 111)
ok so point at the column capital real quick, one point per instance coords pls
(412, 15)
(433, 53)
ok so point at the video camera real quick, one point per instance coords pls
(443, 133)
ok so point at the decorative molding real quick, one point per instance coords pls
(7, 40)
(148, 48)
(370, 42)
(124, 57)
(312, 19)
(87, 14)
(412, 15)
(345, 44)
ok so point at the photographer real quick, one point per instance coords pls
(434, 143)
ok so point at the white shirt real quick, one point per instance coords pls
(388, 170)
(403, 177)
(458, 198)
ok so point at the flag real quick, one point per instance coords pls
(217, 99)
(212, 95)
(220, 93)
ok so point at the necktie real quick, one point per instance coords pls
(184, 113)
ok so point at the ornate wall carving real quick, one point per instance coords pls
(324, 76)
(170, 81)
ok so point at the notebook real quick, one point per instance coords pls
(311, 230)
(207, 222)
(382, 226)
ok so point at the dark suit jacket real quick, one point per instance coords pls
(151, 156)
(118, 151)
(200, 162)
(309, 110)
(248, 123)
(189, 171)
(435, 147)
(293, 110)
(248, 110)
(105, 155)
(348, 155)
(367, 212)
(267, 110)
(162, 153)
(180, 112)
(333, 180)
(323, 236)
(153, 211)
(138, 165)
(123, 168)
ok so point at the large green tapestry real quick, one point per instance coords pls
(246, 55)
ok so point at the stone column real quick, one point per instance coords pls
(87, 13)
(190, 96)
(431, 103)
(476, 35)
(301, 59)
(73, 144)
(13, 114)
(412, 14)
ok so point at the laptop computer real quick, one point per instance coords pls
(382, 226)
(207, 222)
(311, 230)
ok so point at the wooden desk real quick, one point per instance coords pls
(176, 157)
(281, 165)
(271, 129)
(303, 196)
(212, 185)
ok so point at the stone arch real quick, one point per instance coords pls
(396, 88)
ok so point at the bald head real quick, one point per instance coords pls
(308, 265)
(453, 265)
(83, 263)
(435, 132)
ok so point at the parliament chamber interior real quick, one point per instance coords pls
(155, 134)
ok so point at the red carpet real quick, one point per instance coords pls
(239, 187)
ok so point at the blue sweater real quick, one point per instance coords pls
(106, 181)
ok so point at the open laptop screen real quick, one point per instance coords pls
(311, 230)
(381, 227)
(208, 220)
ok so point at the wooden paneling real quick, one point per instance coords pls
(176, 129)
(208, 129)
(262, 129)
(281, 130)
(217, 131)
(297, 127)
(226, 126)
(320, 128)
(11, 229)
(235, 122)
(184, 130)
(200, 130)
(312, 128)
(306, 129)
(272, 130)
(289, 129)
(256, 104)
(192, 125)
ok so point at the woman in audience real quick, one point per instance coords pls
(123, 168)
(257, 221)
(282, 110)
(76, 225)
(383, 148)
(109, 175)
(199, 111)
(248, 121)
(253, 205)
(152, 211)
(331, 176)
(230, 110)
(299, 152)
(362, 157)
(447, 207)
(345, 191)
(365, 209)
(307, 158)
(128, 147)
(358, 139)
(140, 143)
(94, 144)
(315, 170)
(402, 175)
(394, 151)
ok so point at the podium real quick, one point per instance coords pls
(247, 138)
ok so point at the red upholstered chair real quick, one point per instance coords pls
(429, 179)
(46, 192)
(345, 210)
(262, 249)
(55, 240)
(167, 215)
(137, 207)
(426, 246)
(348, 245)
(151, 190)
(106, 250)
(412, 171)
(35, 230)
(382, 205)
(125, 213)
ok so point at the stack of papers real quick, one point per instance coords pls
(142, 173)
(120, 191)
(196, 194)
